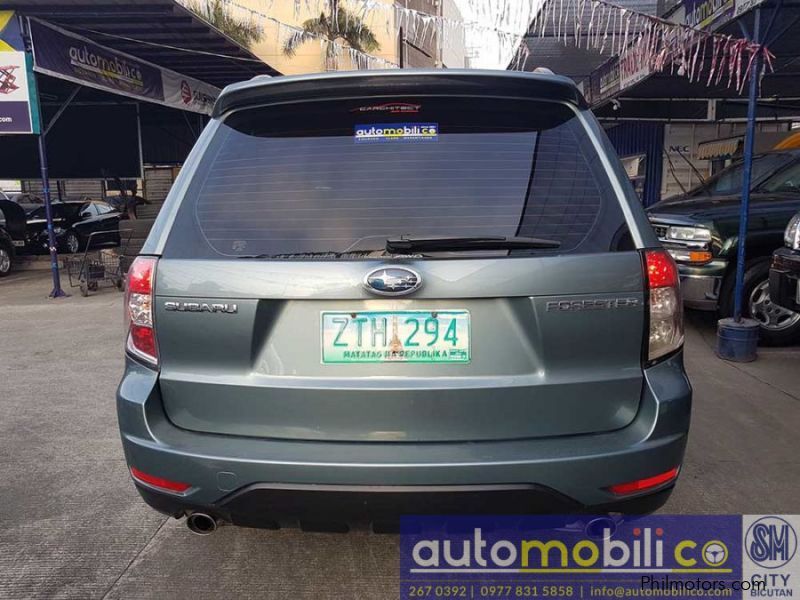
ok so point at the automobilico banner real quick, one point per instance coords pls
(65, 55)
(654, 556)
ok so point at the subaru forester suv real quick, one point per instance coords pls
(383, 293)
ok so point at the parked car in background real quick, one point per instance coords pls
(784, 276)
(701, 230)
(351, 313)
(12, 233)
(74, 221)
(28, 202)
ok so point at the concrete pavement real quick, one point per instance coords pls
(72, 525)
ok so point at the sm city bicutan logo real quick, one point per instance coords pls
(770, 542)
(647, 552)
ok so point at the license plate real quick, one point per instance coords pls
(411, 336)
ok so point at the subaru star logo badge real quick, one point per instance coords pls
(392, 281)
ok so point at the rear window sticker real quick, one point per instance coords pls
(397, 132)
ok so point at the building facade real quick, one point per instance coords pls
(396, 47)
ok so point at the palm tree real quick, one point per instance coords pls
(340, 25)
(213, 11)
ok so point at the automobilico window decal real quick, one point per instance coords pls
(397, 132)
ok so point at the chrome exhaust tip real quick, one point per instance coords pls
(601, 528)
(201, 523)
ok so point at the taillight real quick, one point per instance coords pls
(665, 307)
(165, 484)
(139, 310)
(643, 485)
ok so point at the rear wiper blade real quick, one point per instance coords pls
(458, 244)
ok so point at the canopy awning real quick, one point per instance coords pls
(723, 148)
(159, 31)
(671, 97)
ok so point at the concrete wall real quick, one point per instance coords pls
(422, 53)
(453, 44)
(310, 57)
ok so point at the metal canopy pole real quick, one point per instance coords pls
(747, 175)
(737, 338)
(56, 292)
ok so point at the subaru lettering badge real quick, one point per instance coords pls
(392, 281)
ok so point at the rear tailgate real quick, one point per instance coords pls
(547, 357)
(266, 242)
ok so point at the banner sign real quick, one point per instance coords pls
(89, 63)
(605, 80)
(705, 14)
(69, 56)
(633, 68)
(712, 14)
(187, 93)
(19, 113)
(656, 556)
(742, 6)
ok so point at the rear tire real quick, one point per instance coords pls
(779, 326)
(5, 260)
(72, 243)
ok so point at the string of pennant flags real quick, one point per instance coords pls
(651, 44)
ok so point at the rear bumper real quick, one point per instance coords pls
(264, 482)
(337, 508)
(784, 276)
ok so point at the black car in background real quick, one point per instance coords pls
(29, 202)
(701, 231)
(74, 221)
(12, 233)
(784, 276)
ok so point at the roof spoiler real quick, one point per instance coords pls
(394, 83)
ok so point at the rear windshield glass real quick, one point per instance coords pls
(338, 178)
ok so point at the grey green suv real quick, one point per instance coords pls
(374, 294)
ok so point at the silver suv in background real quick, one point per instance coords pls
(374, 294)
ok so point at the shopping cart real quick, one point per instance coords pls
(99, 265)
